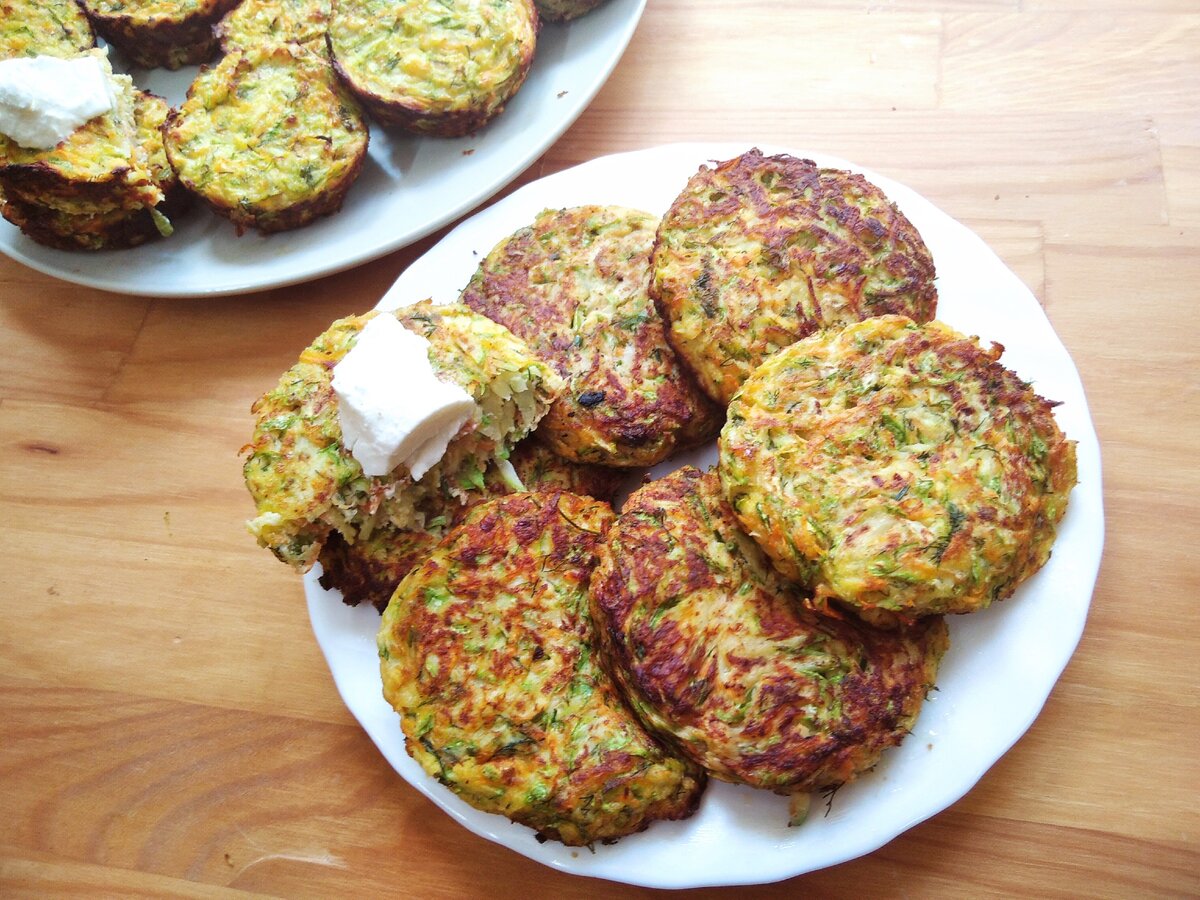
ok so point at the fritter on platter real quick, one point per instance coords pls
(897, 467)
(487, 652)
(574, 286)
(268, 138)
(720, 655)
(763, 250)
(369, 569)
(442, 67)
(306, 484)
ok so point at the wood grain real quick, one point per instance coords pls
(168, 727)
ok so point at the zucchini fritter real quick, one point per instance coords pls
(369, 570)
(106, 186)
(720, 655)
(79, 225)
(268, 138)
(574, 286)
(255, 22)
(487, 653)
(761, 251)
(101, 167)
(43, 28)
(897, 467)
(153, 33)
(442, 67)
(305, 484)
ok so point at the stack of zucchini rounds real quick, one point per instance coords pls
(109, 184)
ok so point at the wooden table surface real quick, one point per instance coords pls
(168, 726)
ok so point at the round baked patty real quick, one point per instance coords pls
(168, 33)
(574, 285)
(763, 250)
(487, 653)
(306, 484)
(897, 467)
(368, 570)
(443, 67)
(73, 222)
(268, 138)
(720, 655)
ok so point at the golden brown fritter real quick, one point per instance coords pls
(574, 286)
(106, 186)
(487, 653)
(763, 250)
(305, 484)
(167, 33)
(443, 67)
(369, 570)
(721, 656)
(897, 467)
(102, 166)
(268, 138)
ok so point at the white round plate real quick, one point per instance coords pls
(1002, 662)
(409, 187)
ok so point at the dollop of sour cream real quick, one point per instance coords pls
(43, 99)
(392, 407)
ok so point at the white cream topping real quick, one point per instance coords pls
(392, 407)
(43, 99)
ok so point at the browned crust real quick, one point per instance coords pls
(742, 239)
(38, 181)
(689, 640)
(170, 42)
(370, 576)
(629, 415)
(368, 571)
(118, 230)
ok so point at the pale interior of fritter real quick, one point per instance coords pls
(305, 483)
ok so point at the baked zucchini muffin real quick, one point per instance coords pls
(159, 33)
(369, 569)
(574, 286)
(488, 654)
(443, 67)
(253, 23)
(43, 28)
(306, 484)
(268, 138)
(102, 166)
(722, 658)
(762, 250)
(898, 468)
(107, 186)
